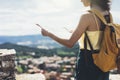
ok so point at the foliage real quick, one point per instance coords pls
(19, 69)
(63, 53)
(25, 50)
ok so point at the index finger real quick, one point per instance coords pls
(39, 26)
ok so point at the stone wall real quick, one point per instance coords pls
(7, 64)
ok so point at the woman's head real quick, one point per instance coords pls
(86, 2)
(103, 4)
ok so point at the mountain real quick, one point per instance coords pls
(30, 40)
(18, 48)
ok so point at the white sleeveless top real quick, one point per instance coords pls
(95, 39)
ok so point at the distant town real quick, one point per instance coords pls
(54, 64)
(45, 59)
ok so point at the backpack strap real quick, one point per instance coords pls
(86, 39)
(96, 12)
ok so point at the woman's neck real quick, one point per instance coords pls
(97, 8)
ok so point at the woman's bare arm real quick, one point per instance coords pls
(82, 26)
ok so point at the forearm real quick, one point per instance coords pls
(65, 42)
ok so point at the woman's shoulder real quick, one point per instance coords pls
(87, 15)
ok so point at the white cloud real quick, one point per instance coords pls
(51, 6)
(18, 17)
(116, 16)
(62, 3)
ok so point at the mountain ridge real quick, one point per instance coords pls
(30, 40)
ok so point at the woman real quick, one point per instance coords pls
(90, 24)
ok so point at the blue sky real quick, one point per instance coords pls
(18, 17)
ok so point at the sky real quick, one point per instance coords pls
(18, 17)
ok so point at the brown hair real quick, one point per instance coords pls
(104, 4)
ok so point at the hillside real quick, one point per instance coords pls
(23, 50)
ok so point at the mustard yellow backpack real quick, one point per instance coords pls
(109, 53)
